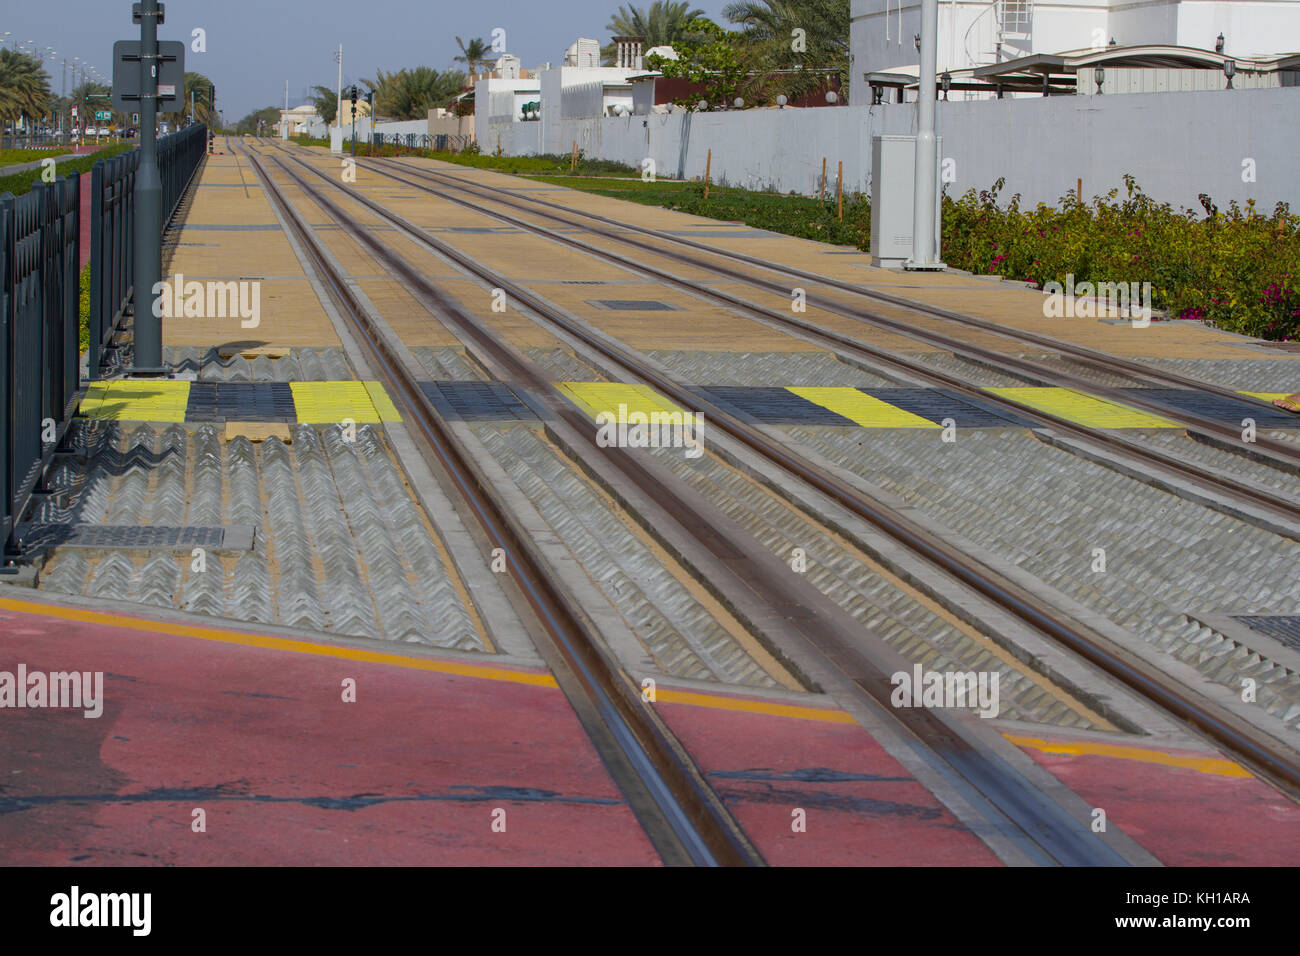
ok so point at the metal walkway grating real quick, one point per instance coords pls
(35, 537)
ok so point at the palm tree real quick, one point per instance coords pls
(473, 53)
(200, 87)
(410, 94)
(660, 24)
(326, 102)
(768, 27)
(24, 87)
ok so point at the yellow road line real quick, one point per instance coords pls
(280, 644)
(856, 406)
(1084, 409)
(1213, 765)
(753, 706)
(483, 672)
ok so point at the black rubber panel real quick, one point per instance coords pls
(632, 305)
(773, 406)
(1220, 409)
(936, 404)
(1284, 628)
(241, 402)
(477, 401)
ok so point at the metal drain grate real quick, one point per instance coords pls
(633, 305)
(1282, 628)
(35, 536)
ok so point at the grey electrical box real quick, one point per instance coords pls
(893, 168)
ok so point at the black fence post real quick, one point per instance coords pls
(6, 381)
(97, 269)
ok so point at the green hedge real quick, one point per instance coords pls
(20, 183)
(1237, 269)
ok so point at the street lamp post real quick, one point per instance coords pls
(926, 187)
(148, 201)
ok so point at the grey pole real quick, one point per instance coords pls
(148, 201)
(927, 189)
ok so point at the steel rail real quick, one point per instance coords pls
(1267, 756)
(1222, 490)
(689, 822)
(1103, 360)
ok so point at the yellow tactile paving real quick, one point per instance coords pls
(1266, 396)
(161, 401)
(325, 402)
(860, 407)
(383, 404)
(616, 398)
(1083, 409)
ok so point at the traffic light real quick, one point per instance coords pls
(370, 102)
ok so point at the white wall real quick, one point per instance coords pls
(1177, 145)
(1251, 28)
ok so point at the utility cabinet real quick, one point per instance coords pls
(893, 169)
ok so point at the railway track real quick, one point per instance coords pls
(680, 812)
(1228, 494)
(1280, 454)
(1052, 837)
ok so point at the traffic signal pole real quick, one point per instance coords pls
(148, 203)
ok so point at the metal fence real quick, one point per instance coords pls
(112, 230)
(40, 295)
(442, 142)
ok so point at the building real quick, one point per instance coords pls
(980, 33)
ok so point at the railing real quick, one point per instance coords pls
(442, 142)
(112, 229)
(40, 295)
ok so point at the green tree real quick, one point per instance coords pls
(200, 87)
(326, 102)
(663, 23)
(808, 36)
(24, 87)
(410, 94)
(473, 54)
(717, 62)
(267, 116)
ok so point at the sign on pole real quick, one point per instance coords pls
(126, 75)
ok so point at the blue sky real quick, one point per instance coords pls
(254, 47)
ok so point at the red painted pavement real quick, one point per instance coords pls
(1185, 817)
(862, 808)
(84, 240)
(286, 772)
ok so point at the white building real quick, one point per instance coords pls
(976, 33)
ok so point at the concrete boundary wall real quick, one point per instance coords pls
(1177, 145)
